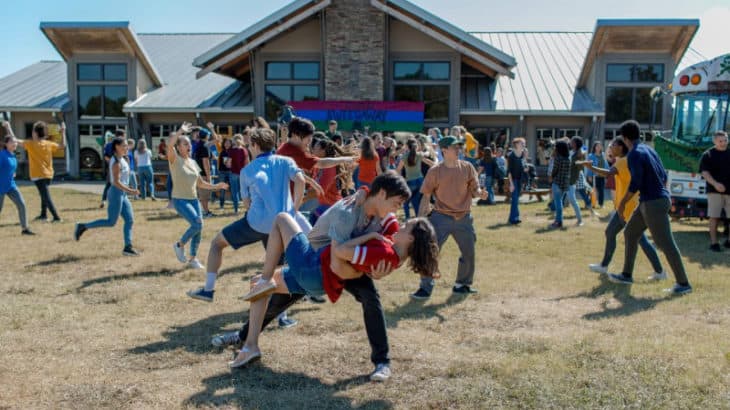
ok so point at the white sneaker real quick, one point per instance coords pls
(658, 276)
(598, 268)
(179, 252)
(195, 264)
(381, 373)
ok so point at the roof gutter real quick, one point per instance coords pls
(532, 113)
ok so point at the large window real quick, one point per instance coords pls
(427, 82)
(628, 92)
(102, 90)
(290, 81)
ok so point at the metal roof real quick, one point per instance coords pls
(545, 78)
(39, 87)
(173, 55)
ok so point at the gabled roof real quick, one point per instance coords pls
(232, 54)
(479, 51)
(638, 36)
(173, 54)
(39, 87)
(70, 38)
(544, 81)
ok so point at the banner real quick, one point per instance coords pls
(356, 115)
(677, 156)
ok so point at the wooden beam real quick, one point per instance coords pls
(481, 67)
(60, 44)
(125, 43)
(442, 38)
(682, 42)
(270, 34)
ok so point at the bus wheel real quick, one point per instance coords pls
(89, 159)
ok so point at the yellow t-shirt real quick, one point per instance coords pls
(623, 180)
(40, 158)
(471, 146)
(185, 173)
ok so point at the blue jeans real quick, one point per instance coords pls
(558, 202)
(224, 176)
(489, 182)
(415, 186)
(132, 179)
(118, 205)
(235, 190)
(17, 199)
(146, 183)
(514, 209)
(190, 210)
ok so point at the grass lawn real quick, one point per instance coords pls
(84, 327)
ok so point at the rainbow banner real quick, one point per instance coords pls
(356, 115)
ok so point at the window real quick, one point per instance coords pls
(300, 71)
(101, 72)
(428, 71)
(623, 103)
(634, 73)
(426, 82)
(278, 95)
(101, 101)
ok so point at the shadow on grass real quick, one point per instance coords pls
(629, 304)
(60, 260)
(128, 276)
(417, 309)
(163, 217)
(92, 208)
(257, 386)
(256, 266)
(694, 245)
(501, 225)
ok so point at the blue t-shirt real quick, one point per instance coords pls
(266, 182)
(8, 165)
(648, 176)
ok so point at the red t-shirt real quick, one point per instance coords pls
(239, 159)
(365, 256)
(368, 169)
(304, 160)
(327, 178)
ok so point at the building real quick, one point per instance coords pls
(540, 85)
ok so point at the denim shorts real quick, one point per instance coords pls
(303, 275)
(240, 233)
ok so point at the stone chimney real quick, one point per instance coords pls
(354, 51)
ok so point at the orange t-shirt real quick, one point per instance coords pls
(453, 188)
(368, 169)
(40, 158)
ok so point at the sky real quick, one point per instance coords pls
(24, 44)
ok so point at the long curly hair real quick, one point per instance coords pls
(332, 150)
(424, 251)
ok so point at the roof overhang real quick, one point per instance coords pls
(231, 58)
(532, 113)
(639, 36)
(214, 110)
(475, 52)
(74, 38)
(35, 109)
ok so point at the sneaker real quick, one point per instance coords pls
(420, 294)
(56, 220)
(579, 223)
(226, 339)
(286, 322)
(598, 268)
(27, 231)
(153, 198)
(179, 252)
(678, 289)
(620, 279)
(556, 225)
(208, 214)
(195, 264)
(315, 299)
(464, 289)
(715, 247)
(129, 251)
(381, 373)
(658, 276)
(80, 229)
(201, 294)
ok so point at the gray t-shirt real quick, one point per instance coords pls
(341, 223)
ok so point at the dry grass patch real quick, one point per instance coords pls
(84, 327)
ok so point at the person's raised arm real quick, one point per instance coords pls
(323, 163)
(216, 137)
(600, 171)
(172, 141)
(9, 131)
(62, 145)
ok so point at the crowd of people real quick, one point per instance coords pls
(324, 206)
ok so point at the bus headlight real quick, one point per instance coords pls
(676, 188)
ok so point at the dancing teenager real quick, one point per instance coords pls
(648, 179)
(453, 183)
(40, 162)
(265, 191)
(186, 178)
(120, 174)
(8, 166)
(310, 270)
(620, 170)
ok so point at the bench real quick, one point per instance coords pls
(538, 192)
(160, 181)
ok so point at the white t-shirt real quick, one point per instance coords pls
(123, 169)
(143, 159)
